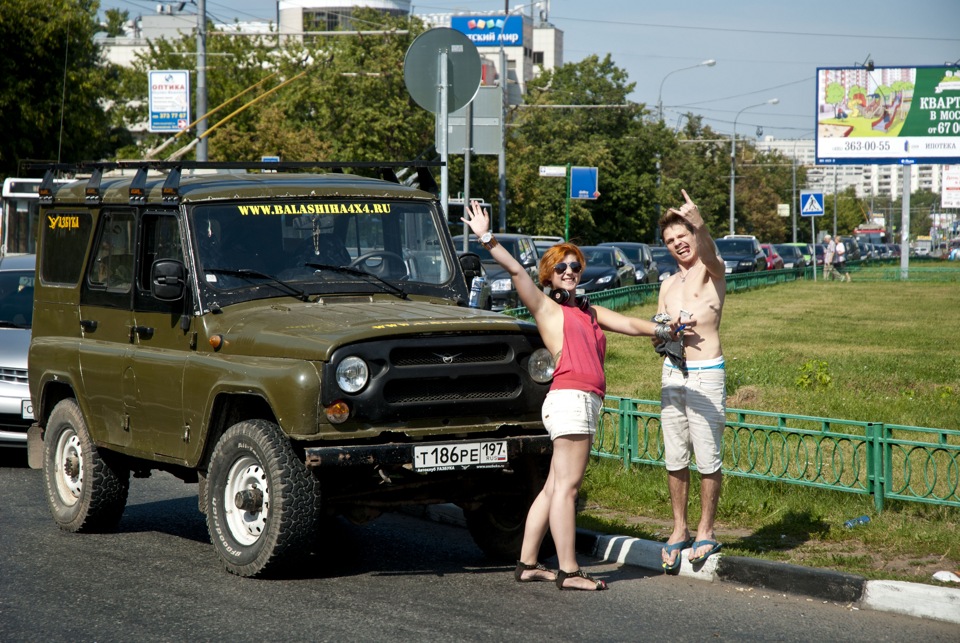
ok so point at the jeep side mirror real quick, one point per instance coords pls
(167, 277)
(470, 264)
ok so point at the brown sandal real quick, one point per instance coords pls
(562, 576)
(522, 567)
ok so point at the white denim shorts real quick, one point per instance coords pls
(693, 415)
(571, 412)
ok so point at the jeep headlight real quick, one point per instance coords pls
(352, 374)
(541, 366)
(501, 285)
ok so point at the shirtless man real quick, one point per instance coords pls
(693, 400)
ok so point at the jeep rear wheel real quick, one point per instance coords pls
(263, 505)
(86, 491)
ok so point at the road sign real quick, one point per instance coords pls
(811, 204)
(583, 183)
(486, 110)
(422, 62)
(555, 171)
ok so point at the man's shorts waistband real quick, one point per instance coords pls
(701, 364)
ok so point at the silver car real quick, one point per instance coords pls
(16, 318)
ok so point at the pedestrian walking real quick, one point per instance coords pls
(840, 261)
(829, 253)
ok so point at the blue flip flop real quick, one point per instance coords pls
(714, 548)
(675, 547)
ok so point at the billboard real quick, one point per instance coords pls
(888, 115)
(486, 31)
(169, 99)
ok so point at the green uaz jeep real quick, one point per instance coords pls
(298, 343)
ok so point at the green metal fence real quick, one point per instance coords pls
(909, 463)
(871, 458)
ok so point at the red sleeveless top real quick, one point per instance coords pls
(584, 349)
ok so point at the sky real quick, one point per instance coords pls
(764, 49)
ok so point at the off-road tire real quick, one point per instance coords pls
(86, 489)
(497, 528)
(255, 454)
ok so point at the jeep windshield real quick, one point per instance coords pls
(245, 250)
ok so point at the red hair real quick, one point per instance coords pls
(553, 256)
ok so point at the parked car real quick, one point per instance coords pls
(806, 250)
(16, 320)
(819, 250)
(607, 267)
(774, 260)
(522, 248)
(544, 243)
(665, 261)
(791, 254)
(741, 254)
(640, 256)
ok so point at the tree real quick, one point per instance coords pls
(116, 20)
(52, 83)
(609, 137)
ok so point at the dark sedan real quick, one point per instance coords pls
(607, 267)
(641, 257)
(666, 262)
(741, 254)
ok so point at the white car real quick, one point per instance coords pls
(16, 319)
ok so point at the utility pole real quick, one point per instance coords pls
(202, 79)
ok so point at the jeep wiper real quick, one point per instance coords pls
(9, 324)
(247, 273)
(393, 288)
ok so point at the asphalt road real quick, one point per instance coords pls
(398, 578)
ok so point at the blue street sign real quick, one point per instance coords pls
(811, 204)
(583, 183)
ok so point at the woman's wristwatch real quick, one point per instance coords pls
(488, 241)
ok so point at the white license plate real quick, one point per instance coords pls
(465, 455)
(26, 409)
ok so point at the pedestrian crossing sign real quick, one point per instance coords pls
(811, 204)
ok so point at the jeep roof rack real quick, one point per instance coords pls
(173, 169)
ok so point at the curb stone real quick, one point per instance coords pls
(899, 597)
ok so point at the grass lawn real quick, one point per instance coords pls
(880, 351)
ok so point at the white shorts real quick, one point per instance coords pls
(571, 412)
(693, 414)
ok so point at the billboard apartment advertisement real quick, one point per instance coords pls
(888, 115)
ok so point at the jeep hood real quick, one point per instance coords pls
(314, 330)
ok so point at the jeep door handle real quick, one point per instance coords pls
(144, 332)
(88, 325)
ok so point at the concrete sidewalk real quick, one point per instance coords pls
(912, 599)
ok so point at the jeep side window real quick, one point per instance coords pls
(112, 265)
(64, 238)
(159, 239)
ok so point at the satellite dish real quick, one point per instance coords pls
(421, 69)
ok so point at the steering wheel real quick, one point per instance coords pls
(390, 263)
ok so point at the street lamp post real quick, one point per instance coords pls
(733, 156)
(706, 63)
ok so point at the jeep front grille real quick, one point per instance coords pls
(416, 378)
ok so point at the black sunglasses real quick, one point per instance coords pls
(561, 267)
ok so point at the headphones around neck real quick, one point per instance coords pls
(562, 296)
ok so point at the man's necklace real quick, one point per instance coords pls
(684, 275)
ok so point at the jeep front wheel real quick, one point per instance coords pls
(86, 491)
(262, 503)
